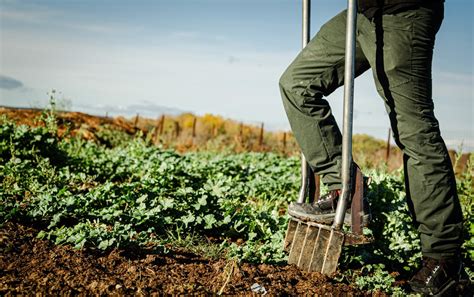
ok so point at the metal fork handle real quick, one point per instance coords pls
(347, 113)
(306, 171)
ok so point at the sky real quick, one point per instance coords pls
(203, 56)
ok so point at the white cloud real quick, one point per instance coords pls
(32, 14)
(109, 28)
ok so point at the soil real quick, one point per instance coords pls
(30, 266)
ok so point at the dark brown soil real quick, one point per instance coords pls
(29, 266)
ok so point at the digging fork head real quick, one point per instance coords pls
(313, 247)
(316, 247)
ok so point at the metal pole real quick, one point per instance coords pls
(306, 22)
(348, 113)
(306, 172)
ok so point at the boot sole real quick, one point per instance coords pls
(328, 218)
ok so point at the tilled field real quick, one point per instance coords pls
(30, 266)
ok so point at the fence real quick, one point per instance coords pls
(188, 131)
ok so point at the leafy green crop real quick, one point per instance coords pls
(122, 192)
(92, 195)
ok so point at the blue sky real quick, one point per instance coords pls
(218, 56)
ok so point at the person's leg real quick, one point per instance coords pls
(316, 72)
(401, 63)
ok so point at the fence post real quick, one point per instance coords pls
(177, 129)
(214, 130)
(157, 127)
(387, 155)
(194, 127)
(284, 141)
(136, 121)
(162, 124)
(260, 138)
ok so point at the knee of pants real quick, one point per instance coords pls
(421, 139)
(286, 82)
(298, 92)
(288, 91)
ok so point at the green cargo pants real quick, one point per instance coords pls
(398, 48)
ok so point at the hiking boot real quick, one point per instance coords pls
(324, 210)
(321, 211)
(445, 277)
